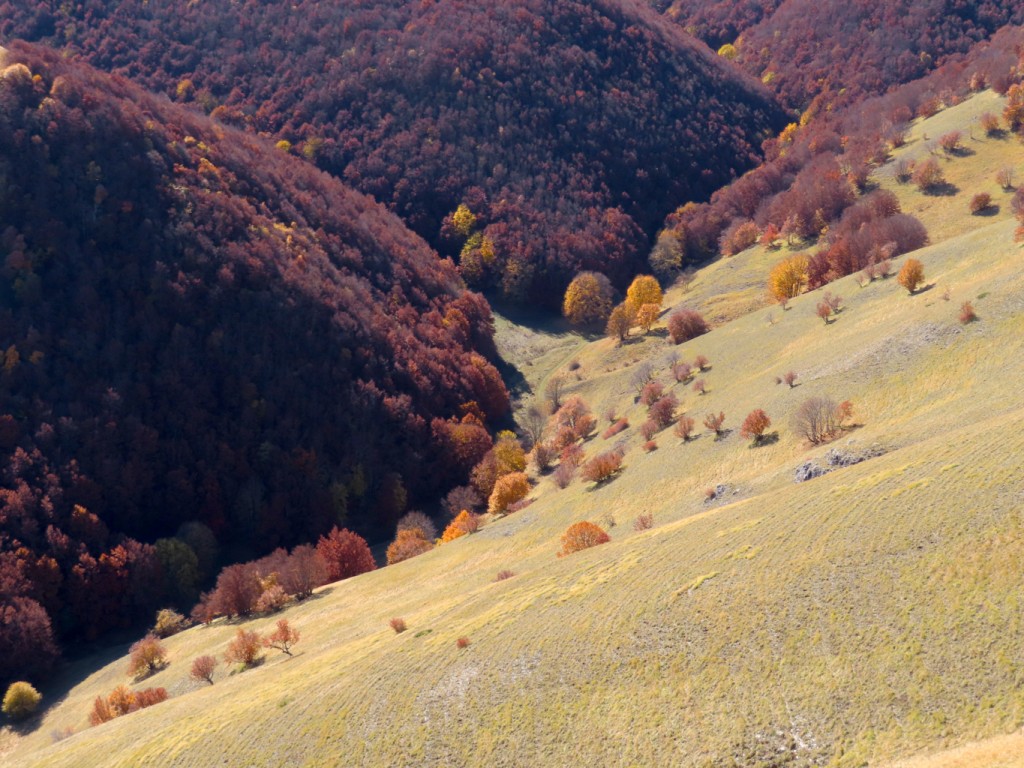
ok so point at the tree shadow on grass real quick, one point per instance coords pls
(769, 439)
(989, 210)
(945, 189)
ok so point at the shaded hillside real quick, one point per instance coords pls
(197, 327)
(570, 128)
(803, 48)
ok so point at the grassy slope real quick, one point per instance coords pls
(867, 615)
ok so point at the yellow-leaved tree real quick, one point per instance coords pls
(788, 277)
(643, 290)
(588, 299)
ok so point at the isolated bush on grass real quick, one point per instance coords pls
(602, 467)
(686, 324)
(980, 202)
(684, 427)
(398, 624)
(203, 668)
(755, 425)
(819, 418)
(714, 423)
(21, 700)
(283, 638)
(911, 275)
(146, 656)
(580, 536)
(246, 648)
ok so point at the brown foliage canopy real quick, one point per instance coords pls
(582, 535)
(686, 324)
(911, 275)
(345, 553)
(408, 543)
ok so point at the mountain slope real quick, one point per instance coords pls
(569, 128)
(869, 614)
(198, 327)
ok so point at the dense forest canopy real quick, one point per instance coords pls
(569, 128)
(803, 48)
(196, 327)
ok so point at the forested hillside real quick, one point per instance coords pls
(198, 328)
(569, 128)
(803, 48)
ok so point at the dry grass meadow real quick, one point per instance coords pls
(873, 616)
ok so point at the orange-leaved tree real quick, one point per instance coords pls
(464, 523)
(346, 553)
(283, 637)
(508, 490)
(755, 425)
(582, 535)
(408, 543)
(911, 275)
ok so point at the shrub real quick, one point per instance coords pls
(202, 669)
(651, 392)
(788, 277)
(663, 411)
(582, 535)
(123, 700)
(714, 422)
(686, 324)
(146, 656)
(505, 574)
(245, 648)
(790, 379)
(169, 622)
(21, 700)
(518, 506)
(619, 426)
(980, 202)
(643, 522)
(819, 418)
(508, 489)
(928, 175)
(700, 387)
(462, 642)
(641, 377)
(572, 454)
(1004, 178)
(283, 637)
(408, 544)
(588, 299)
(701, 363)
(967, 313)
(650, 446)
(272, 600)
(682, 372)
(564, 474)
(755, 424)
(950, 142)
(572, 422)
(465, 523)
(398, 625)
(834, 301)
(648, 429)
(346, 554)
(911, 275)
(903, 170)
(684, 427)
(602, 467)
(417, 519)
(824, 311)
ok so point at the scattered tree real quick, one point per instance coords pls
(701, 363)
(588, 299)
(980, 202)
(682, 372)
(245, 648)
(819, 418)
(464, 524)
(582, 535)
(509, 489)
(662, 412)
(203, 668)
(602, 467)
(21, 700)
(824, 311)
(648, 430)
(146, 657)
(990, 124)
(619, 322)
(928, 175)
(564, 474)
(699, 386)
(643, 375)
(1004, 178)
(950, 142)
(967, 313)
(684, 427)
(346, 554)
(282, 638)
(553, 390)
(169, 622)
(398, 624)
(911, 275)
(651, 392)
(790, 379)
(643, 290)
(714, 423)
(686, 324)
(755, 425)
(408, 543)
(647, 316)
